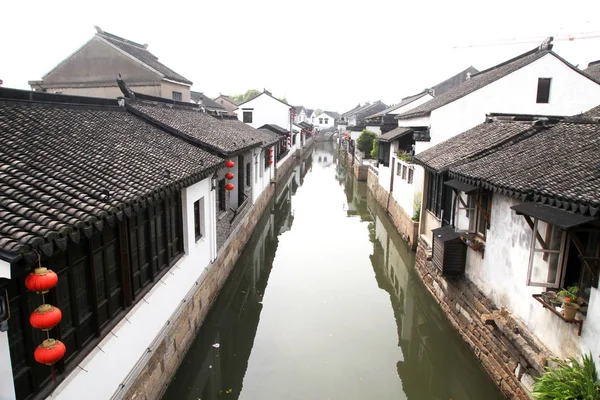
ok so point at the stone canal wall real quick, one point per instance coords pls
(408, 229)
(508, 352)
(149, 380)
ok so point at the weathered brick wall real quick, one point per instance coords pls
(408, 229)
(506, 349)
(158, 366)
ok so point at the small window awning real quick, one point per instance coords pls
(563, 219)
(460, 186)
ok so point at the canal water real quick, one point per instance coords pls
(324, 304)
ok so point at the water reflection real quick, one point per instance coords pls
(436, 364)
(343, 315)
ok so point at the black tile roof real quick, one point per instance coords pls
(453, 81)
(223, 136)
(366, 110)
(558, 165)
(593, 70)
(333, 114)
(350, 112)
(394, 134)
(68, 167)
(275, 128)
(140, 52)
(470, 143)
(206, 101)
(268, 138)
(229, 99)
(481, 79)
(405, 101)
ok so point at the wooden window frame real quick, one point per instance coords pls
(475, 211)
(537, 239)
(247, 117)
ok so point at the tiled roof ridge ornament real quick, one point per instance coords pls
(128, 93)
(546, 44)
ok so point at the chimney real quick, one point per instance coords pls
(468, 75)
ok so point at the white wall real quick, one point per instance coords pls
(261, 180)
(515, 93)
(374, 128)
(502, 274)
(266, 110)
(7, 388)
(102, 371)
(570, 93)
(319, 121)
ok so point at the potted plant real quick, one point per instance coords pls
(471, 240)
(550, 297)
(570, 302)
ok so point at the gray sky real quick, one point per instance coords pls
(320, 54)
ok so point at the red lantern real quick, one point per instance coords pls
(229, 164)
(49, 352)
(229, 187)
(270, 150)
(270, 161)
(45, 317)
(229, 176)
(41, 280)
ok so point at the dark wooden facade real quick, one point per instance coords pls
(100, 278)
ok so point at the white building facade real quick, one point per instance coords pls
(265, 109)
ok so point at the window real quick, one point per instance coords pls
(478, 212)
(398, 168)
(434, 193)
(248, 117)
(404, 171)
(266, 158)
(199, 218)
(294, 139)
(326, 120)
(411, 172)
(543, 90)
(320, 121)
(248, 174)
(241, 180)
(384, 154)
(546, 255)
(256, 168)
(222, 197)
(100, 278)
(177, 96)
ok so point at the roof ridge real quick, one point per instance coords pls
(29, 96)
(502, 64)
(127, 41)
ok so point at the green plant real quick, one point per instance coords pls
(569, 381)
(364, 142)
(375, 150)
(571, 293)
(417, 207)
(404, 156)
